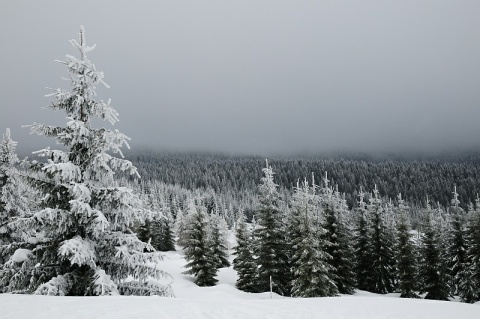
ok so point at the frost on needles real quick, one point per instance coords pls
(80, 241)
(15, 196)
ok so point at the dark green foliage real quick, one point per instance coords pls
(158, 231)
(244, 262)
(158, 228)
(362, 247)
(433, 272)
(217, 242)
(312, 273)
(469, 283)
(341, 251)
(406, 259)
(457, 251)
(382, 260)
(144, 231)
(272, 252)
(162, 234)
(201, 262)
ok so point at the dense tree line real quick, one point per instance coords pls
(311, 244)
(316, 257)
(234, 176)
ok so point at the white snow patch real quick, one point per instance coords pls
(32, 240)
(224, 301)
(20, 255)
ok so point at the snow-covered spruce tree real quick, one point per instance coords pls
(456, 250)
(14, 193)
(14, 196)
(337, 235)
(144, 231)
(469, 283)
(196, 243)
(271, 238)
(432, 270)
(244, 262)
(406, 254)
(159, 229)
(218, 240)
(382, 260)
(362, 245)
(179, 226)
(163, 237)
(84, 244)
(174, 208)
(312, 273)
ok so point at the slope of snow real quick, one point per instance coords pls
(224, 301)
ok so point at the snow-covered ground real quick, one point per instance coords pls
(226, 302)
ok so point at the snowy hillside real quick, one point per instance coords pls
(224, 301)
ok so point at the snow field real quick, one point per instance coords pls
(224, 301)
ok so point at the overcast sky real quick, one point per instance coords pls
(256, 76)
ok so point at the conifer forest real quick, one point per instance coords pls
(91, 216)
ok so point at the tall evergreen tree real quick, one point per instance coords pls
(144, 231)
(312, 273)
(406, 254)
(14, 196)
(198, 253)
(382, 261)
(272, 258)
(180, 225)
(337, 236)
(432, 264)
(84, 243)
(163, 238)
(362, 245)
(244, 262)
(456, 251)
(219, 241)
(469, 281)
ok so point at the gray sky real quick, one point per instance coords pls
(256, 76)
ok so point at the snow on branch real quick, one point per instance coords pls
(57, 286)
(58, 217)
(78, 130)
(20, 255)
(47, 130)
(54, 155)
(81, 44)
(63, 172)
(106, 112)
(78, 251)
(103, 284)
(81, 209)
(100, 223)
(80, 192)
